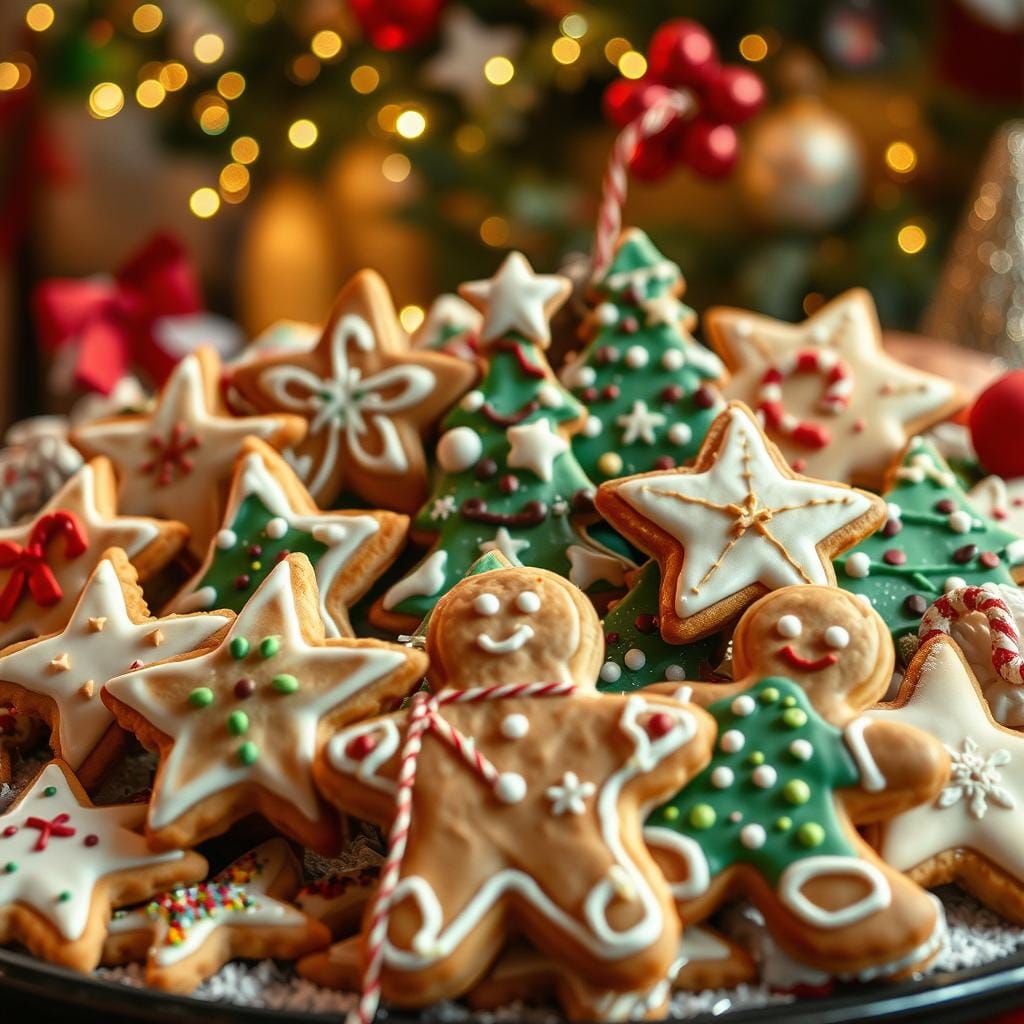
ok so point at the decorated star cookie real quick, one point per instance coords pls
(368, 400)
(932, 540)
(796, 766)
(237, 727)
(45, 562)
(188, 933)
(520, 759)
(67, 863)
(970, 832)
(508, 479)
(270, 515)
(829, 396)
(647, 384)
(58, 678)
(338, 899)
(737, 524)
(176, 459)
(451, 325)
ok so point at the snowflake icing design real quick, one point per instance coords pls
(571, 796)
(442, 508)
(976, 780)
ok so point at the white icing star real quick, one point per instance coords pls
(442, 508)
(504, 542)
(570, 796)
(448, 314)
(517, 299)
(664, 309)
(980, 806)
(639, 423)
(535, 446)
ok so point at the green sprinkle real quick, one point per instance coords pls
(201, 697)
(238, 723)
(269, 646)
(50, 791)
(769, 695)
(756, 757)
(789, 702)
(10, 867)
(670, 813)
(794, 717)
(248, 752)
(796, 791)
(784, 824)
(239, 647)
(64, 896)
(702, 816)
(284, 683)
(810, 834)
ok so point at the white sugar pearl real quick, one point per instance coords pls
(680, 433)
(592, 427)
(458, 449)
(743, 705)
(764, 776)
(515, 727)
(226, 539)
(673, 359)
(610, 672)
(510, 788)
(549, 396)
(722, 777)
(528, 602)
(801, 750)
(635, 659)
(673, 673)
(276, 528)
(636, 357)
(953, 583)
(752, 836)
(837, 638)
(585, 376)
(789, 626)
(894, 510)
(732, 741)
(486, 604)
(606, 313)
(857, 565)
(960, 521)
(473, 400)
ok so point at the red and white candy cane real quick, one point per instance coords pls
(1005, 639)
(657, 117)
(836, 397)
(425, 716)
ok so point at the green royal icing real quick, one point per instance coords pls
(235, 572)
(605, 365)
(934, 551)
(797, 811)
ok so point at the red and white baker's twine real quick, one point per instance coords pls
(678, 103)
(423, 717)
(1006, 654)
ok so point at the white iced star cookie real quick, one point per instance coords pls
(66, 864)
(970, 833)
(736, 525)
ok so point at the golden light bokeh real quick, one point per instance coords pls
(173, 76)
(565, 50)
(150, 94)
(411, 317)
(494, 231)
(470, 138)
(208, 48)
(231, 85)
(14, 75)
(499, 70)
(911, 238)
(234, 177)
(900, 157)
(632, 64)
(574, 26)
(615, 48)
(204, 202)
(245, 149)
(305, 68)
(410, 124)
(39, 17)
(753, 47)
(106, 100)
(326, 44)
(302, 133)
(396, 167)
(365, 79)
(147, 18)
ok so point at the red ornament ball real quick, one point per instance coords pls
(626, 99)
(397, 24)
(682, 53)
(997, 421)
(652, 159)
(709, 148)
(734, 94)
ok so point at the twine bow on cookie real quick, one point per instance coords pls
(28, 566)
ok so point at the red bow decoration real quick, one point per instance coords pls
(112, 322)
(28, 564)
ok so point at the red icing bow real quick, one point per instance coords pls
(111, 322)
(28, 564)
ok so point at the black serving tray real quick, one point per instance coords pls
(36, 989)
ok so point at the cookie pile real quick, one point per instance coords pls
(602, 653)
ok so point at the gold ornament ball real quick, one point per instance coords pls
(802, 167)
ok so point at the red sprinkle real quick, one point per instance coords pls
(989, 559)
(894, 556)
(659, 724)
(361, 746)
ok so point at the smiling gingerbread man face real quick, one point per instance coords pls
(512, 626)
(828, 641)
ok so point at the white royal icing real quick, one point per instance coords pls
(871, 777)
(802, 871)
(425, 580)
(535, 446)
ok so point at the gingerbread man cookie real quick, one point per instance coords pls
(58, 678)
(367, 397)
(175, 460)
(830, 397)
(186, 934)
(797, 765)
(544, 782)
(67, 864)
(739, 523)
(238, 726)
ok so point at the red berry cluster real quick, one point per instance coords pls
(682, 55)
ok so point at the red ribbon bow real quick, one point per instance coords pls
(112, 322)
(28, 564)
